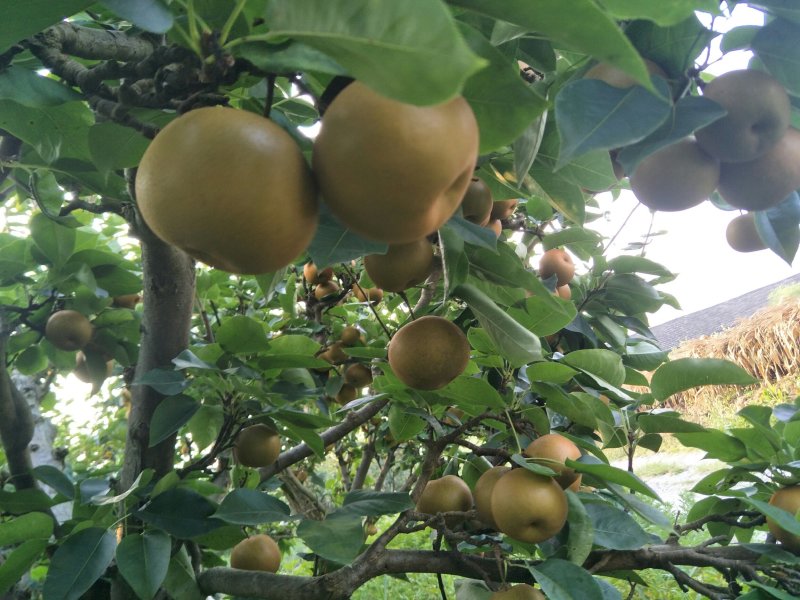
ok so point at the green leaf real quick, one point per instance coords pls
(550, 372)
(18, 561)
(515, 343)
(784, 519)
(287, 57)
(366, 503)
(526, 146)
(778, 227)
(293, 344)
(663, 13)
(545, 315)
(588, 28)
(164, 381)
(143, 559)
(28, 88)
(632, 295)
(715, 443)
(114, 147)
(581, 530)
(593, 115)
(561, 193)
(337, 538)
(23, 19)
(611, 474)
(685, 373)
(471, 233)
(31, 526)
(150, 15)
(181, 512)
(410, 51)
(24, 501)
(180, 582)
(404, 425)
(776, 46)
(603, 364)
(251, 507)
(654, 423)
(240, 334)
(334, 243)
(170, 415)
(638, 264)
(615, 529)
(688, 114)
(503, 103)
(562, 580)
(78, 563)
(673, 48)
(473, 393)
(55, 241)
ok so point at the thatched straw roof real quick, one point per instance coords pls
(767, 345)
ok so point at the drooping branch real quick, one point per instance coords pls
(331, 435)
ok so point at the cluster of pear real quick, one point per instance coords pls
(751, 156)
(69, 330)
(524, 505)
(233, 190)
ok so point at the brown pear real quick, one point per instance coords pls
(502, 209)
(483, 493)
(68, 330)
(528, 507)
(476, 206)
(557, 262)
(403, 265)
(553, 450)
(765, 181)
(742, 234)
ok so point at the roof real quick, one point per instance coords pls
(715, 318)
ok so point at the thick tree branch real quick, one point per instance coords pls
(331, 435)
(16, 423)
(363, 468)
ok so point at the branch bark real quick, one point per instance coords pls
(16, 423)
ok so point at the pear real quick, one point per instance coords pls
(742, 234)
(403, 265)
(759, 112)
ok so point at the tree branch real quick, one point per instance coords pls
(329, 436)
(16, 423)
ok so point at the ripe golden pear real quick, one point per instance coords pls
(502, 209)
(765, 181)
(477, 203)
(314, 276)
(391, 171)
(554, 449)
(256, 553)
(557, 262)
(403, 265)
(617, 77)
(483, 493)
(742, 234)
(521, 591)
(564, 292)
(528, 507)
(68, 330)
(230, 188)
(374, 295)
(334, 354)
(759, 112)
(787, 498)
(676, 177)
(126, 301)
(328, 288)
(445, 494)
(358, 375)
(350, 336)
(428, 353)
(257, 446)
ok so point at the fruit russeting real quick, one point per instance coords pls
(554, 449)
(68, 330)
(229, 188)
(358, 375)
(676, 177)
(373, 295)
(787, 498)
(257, 446)
(314, 276)
(401, 195)
(528, 507)
(326, 289)
(403, 265)
(742, 234)
(428, 353)
(350, 336)
(476, 206)
(256, 553)
(557, 262)
(446, 494)
(759, 112)
(502, 209)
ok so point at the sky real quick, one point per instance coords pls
(694, 245)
